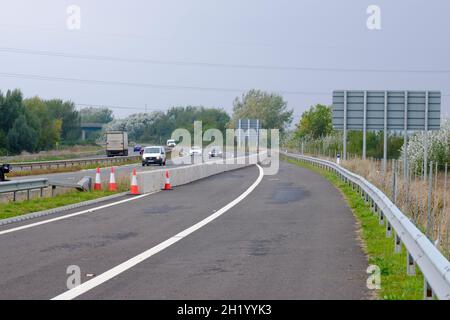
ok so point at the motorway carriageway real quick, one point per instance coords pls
(235, 235)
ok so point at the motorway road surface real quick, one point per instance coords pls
(292, 237)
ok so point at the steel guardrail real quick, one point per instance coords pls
(23, 185)
(420, 250)
(71, 162)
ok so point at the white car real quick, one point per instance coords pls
(195, 151)
(171, 143)
(215, 152)
(154, 155)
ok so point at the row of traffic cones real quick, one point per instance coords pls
(112, 181)
(134, 189)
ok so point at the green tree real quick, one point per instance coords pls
(10, 108)
(269, 108)
(96, 115)
(315, 122)
(22, 136)
(70, 119)
(39, 118)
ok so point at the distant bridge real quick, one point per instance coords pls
(90, 127)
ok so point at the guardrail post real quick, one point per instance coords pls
(381, 218)
(398, 244)
(14, 196)
(388, 230)
(428, 291)
(410, 265)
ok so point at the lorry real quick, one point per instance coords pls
(116, 143)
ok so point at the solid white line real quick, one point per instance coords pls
(108, 275)
(72, 214)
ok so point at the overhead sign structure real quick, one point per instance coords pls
(385, 110)
(248, 129)
(421, 110)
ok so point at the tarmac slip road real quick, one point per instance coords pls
(291, 237)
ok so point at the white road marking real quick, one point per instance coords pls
(108, 275)
(72, 214)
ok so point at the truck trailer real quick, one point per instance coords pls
(116, 143)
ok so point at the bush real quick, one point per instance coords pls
(438, 147)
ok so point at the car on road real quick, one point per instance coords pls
(215, 152)
(4, 168)
(171, 143)
(154, 155)
(137, 148)
(195, 151)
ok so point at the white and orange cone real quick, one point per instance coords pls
(112, 181)
(134, 186)
(98, 181)
(167, 185)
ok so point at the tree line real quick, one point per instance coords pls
(157, 127)
(315, 131)
(35, 124)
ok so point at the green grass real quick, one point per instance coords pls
(395, 283)
(13, 209)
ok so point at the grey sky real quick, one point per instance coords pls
(324, 34)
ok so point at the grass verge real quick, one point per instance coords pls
(13, 209)
(395, 283)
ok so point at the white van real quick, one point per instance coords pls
(154, 155)
(171, 143)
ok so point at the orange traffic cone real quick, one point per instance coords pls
(112, 181)
(167, 185)
(134, 186)
(98, 182)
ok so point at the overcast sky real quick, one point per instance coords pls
(163, 53)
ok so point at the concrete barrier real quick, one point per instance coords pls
(151, 181)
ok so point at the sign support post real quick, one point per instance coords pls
(385, 132)
(365, 127)
(344, 156)
(405, 140)
(425, 144)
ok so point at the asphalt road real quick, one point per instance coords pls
(293, 237)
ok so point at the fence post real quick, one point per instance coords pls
(394, 182)
(429, 228)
